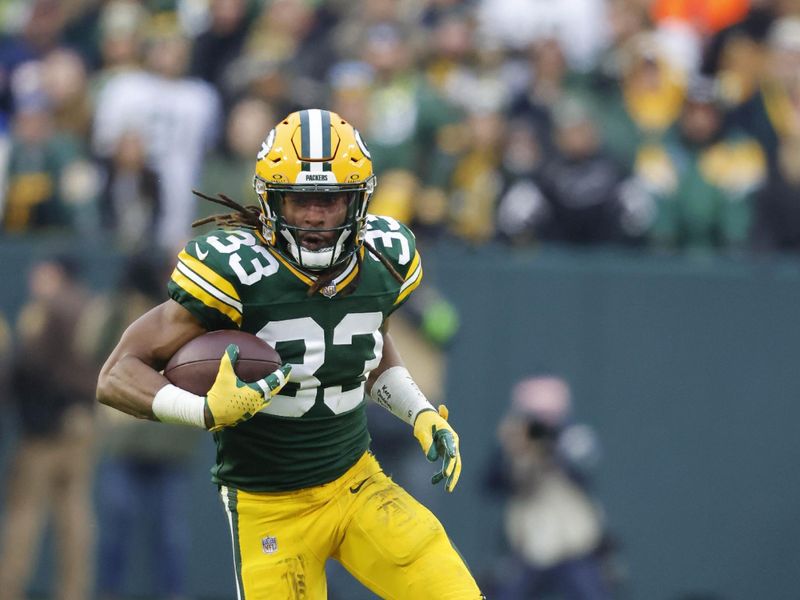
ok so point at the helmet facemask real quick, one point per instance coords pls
(286, 238)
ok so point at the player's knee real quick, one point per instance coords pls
(410, 544)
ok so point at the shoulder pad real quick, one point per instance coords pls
(214, 247)
(203, 280)
(397, 244)
(392, 239)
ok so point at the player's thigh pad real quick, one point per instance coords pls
(399, 549)
(278, 551)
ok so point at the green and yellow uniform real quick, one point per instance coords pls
(316, 428)
(297, 481)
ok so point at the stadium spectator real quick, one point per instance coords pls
(288, 52)
(465, 74)
(751, 28)
(416, 133)
(51, 184)
(121, 28)
(40, 32)
(64, 81)
(221, 44)
(549, 82)
(404, 112)
(645, 101)
(475, 183)
(626, 20)
(703, 177)
(130, 200)
(777, 226)
(351, 84)
(591, 198)
(515, 24)
(228, 169)
(554, 527)
(772, 113)
(175, 115)
(523, 214)
(52, 467)
(143, 476)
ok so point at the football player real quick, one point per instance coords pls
(312, 273)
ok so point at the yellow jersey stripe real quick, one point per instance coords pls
(348, 279)
(413, 266)
(349, 274)
(210, 289)
(411, 284)
(194, 290)
(208, 274)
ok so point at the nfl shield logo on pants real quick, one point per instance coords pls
(269, 544)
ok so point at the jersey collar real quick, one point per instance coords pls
(340, 282)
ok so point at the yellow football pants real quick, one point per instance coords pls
(389, 542)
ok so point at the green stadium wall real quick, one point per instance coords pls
(688, 369)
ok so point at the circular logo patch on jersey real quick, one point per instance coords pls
(362, 145)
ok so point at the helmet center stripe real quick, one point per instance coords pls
(327, 151)
(305, 137)
(315, 138)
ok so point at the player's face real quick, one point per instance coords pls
(311, 210)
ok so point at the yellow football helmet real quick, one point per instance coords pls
(313, 151)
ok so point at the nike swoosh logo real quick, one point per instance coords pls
(354, 489)
(200, 253)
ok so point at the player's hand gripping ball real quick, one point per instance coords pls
(238, 374)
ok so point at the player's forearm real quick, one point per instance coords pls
(390, 358)
(129, 385)
(130, 379)
(391, 386)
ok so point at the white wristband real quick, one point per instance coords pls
(171, 404)
(397, 392)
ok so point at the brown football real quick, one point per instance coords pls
(194, 366)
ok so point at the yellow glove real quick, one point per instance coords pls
(231, 400)
(439, 440)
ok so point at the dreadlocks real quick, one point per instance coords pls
(243, 216)
(249, 217)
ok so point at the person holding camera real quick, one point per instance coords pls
(553, 527)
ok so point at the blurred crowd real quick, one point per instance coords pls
(67, 449)
(667, 125)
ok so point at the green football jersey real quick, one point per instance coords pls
(316, 428)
